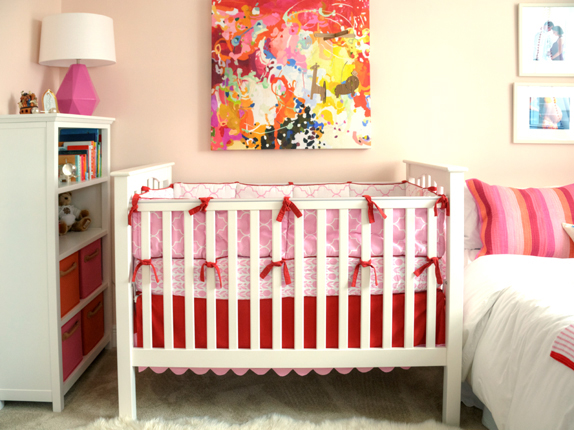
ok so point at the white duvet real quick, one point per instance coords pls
(514, 307)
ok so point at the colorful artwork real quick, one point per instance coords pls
(290, 74)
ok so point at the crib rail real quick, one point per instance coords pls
(167, 207)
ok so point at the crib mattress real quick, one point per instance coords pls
(288, 338)
(287, 290)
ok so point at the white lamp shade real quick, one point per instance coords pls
(68, 37)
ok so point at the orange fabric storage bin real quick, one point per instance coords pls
(92, 323)
(69, 283)
(90, 268)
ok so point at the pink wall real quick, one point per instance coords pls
(20, 24)
(442, 75)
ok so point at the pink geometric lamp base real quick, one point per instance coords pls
(77, 94)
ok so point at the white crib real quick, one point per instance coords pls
(129, 181)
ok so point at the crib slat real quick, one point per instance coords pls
(146, 281)
(321, 279)
(210, 278)
(189, 281)
(409, 277)
(343, 278)
(431, 279)
(365, 281)
(232, 278)
(277, 280)
(167, 281)
(388, 280)
(254, 276)
(298, 279)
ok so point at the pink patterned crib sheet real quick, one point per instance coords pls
(287, 290)
(244, 191)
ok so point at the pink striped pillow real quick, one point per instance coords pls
(524, 221)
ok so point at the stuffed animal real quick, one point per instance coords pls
(70, 217)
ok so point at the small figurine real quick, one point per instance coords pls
(28, 101)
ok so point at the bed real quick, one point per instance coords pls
(518, 352)
(289, 277)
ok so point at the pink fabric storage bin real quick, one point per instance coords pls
(71, 345)
(90, 268)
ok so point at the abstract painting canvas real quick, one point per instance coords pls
(290, 74)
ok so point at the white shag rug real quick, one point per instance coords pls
(271, 422)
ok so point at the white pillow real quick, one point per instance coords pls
(472, 238)
(569, 229)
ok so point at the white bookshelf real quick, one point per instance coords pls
(31, 250)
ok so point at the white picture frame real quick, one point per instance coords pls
(539, 45)
(50, 102)
(542, 113)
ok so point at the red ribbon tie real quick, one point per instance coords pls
(372, 206)
(134, 207)
(210, 265)
(288, 205)
(356, 272)
(273, 264)
(202, 207)
(444, 204)
(145, 263)
(430, 262)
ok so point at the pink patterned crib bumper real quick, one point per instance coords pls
(244, 191)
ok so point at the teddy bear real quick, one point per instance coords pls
(70, 217)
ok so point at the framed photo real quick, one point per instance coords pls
(50, 102)
(542, 113)
(543, 29)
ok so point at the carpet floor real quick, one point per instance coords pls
(404, 396)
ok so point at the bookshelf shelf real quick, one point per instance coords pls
(32, 365)
(74, 241)
(64, 187)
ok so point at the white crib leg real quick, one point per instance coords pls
(126, 371)
(451, 395)
(127, 391)
(1, 404)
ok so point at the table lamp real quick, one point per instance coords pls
(77, 40)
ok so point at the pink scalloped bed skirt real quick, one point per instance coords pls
(259, 371)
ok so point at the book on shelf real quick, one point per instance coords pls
(88, 139)
(80, 135)
(92, 152)
(99, 164)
